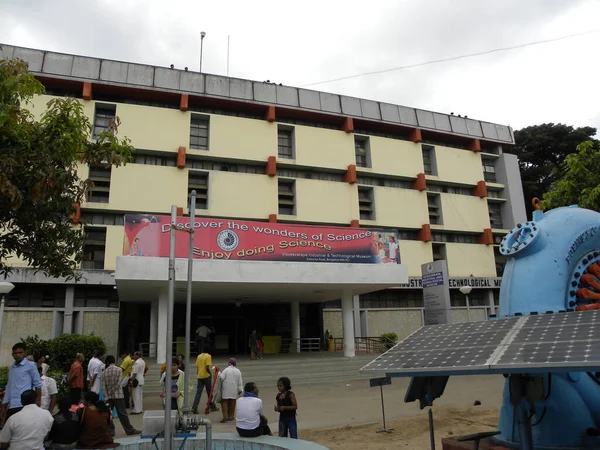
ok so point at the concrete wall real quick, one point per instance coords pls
(403, 208)
(19, 324)
(394, 157)
(318, 147)
(325, 201)
(235, 137)
(464, 213)
(457, 165)
(470, 259)
(38, 106)
(114, 245)
(415, 253)
(507, 173)
(104, 324)
(399, 321)
(332, 321)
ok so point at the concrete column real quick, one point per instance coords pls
(348, 324)
(153, 327)
(68, 317)
(295, 311)
(358, 331)
(489, 293)
(161, 328)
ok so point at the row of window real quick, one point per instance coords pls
(53, 296)
(200, 133)
(411, 298)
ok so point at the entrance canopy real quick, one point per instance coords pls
(144, 278)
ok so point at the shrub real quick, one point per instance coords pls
(389, 339)
(3, 377)
(61, 350)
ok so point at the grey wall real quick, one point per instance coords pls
(507, 173)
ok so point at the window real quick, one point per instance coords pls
(287, 197)
(494, 194)
(439, 251)
(449, 189)
(385, 182)
(199, 132)
(476, 298)
(93, 248)
(435, 209)
(393, 298)
(489, 171)
(104, 116)
(37, 296)
(495, 210)
(155, 160)
(285, 142)
(365, 203)
(193, 163)
(198, 181)
(408, 235)
(96, 297)
(309, 174)
(100, 191)
(455, 238)
(428, 152)
(361, 150)
(102, 218)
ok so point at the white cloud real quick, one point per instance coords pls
(301, 42)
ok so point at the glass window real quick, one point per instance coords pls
(199, 130)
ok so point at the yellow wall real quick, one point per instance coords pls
(239, 138)
(242, 195)
(457, 165)
(402, 208)
(467, 259)
(114, 245)
(415, 253)
(318, 147)
(464, 213)
(154, 128)
(325, 201)
(38, 106)
(142, 188)
(394, 157)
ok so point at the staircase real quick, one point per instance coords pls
(302, 370)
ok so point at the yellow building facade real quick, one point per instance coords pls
(445, 191)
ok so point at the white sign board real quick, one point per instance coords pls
(436, 295)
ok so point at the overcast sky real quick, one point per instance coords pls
(301, 42)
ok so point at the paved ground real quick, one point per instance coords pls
(330, 410)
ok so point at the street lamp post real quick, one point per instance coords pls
(202, 34)
(5, 288)
(466, 290)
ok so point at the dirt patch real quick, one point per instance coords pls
(411, 432)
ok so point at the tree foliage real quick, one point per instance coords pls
(542, 150)
(39, 182)
(581, 184)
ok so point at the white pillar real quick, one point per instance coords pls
(68, 315)
(358, 331)
(153, 327)
(348, 324)
(490, 300)
(161, 328)
(295, 310)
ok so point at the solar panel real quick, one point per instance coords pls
(531, 343)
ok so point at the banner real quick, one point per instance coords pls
(148, 235)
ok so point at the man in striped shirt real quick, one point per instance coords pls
(113, 393)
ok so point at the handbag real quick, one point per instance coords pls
(124, 382)
(135, 383)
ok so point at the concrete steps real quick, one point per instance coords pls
(324, 368)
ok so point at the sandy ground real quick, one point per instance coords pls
(349, 415)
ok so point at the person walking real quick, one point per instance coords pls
(49, 391)
(137, 382)
(202, 333)
(253, 344)
(75, 379)
(95, 367)
(126, 366)
(113, 393)
(232, 387)
(286, 407)
(203, 366)
(27, 429)
(22, 376)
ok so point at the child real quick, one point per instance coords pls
(259, 348)
(286, 407)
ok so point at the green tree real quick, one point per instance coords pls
(542, 150)
(39, 184)
(581, 184)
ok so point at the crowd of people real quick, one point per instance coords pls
(85, 416)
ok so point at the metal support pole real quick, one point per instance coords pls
(202, 34)
(169, 350)
(382, 406)
(1, 313)
(431, 431)
(228, 36)
(468, 309)
(188, 307)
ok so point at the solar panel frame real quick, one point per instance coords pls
(529, 344)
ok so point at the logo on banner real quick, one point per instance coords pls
(228, 240)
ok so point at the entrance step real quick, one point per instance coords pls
(326, 368)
